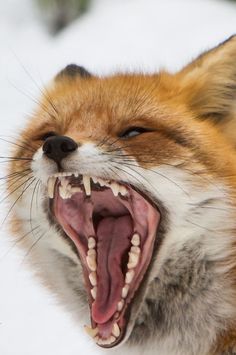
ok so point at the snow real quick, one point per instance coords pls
(140, 35)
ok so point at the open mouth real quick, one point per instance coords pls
(113, 227)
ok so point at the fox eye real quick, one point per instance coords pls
(47, 135)
(133, 131)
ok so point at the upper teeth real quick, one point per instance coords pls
(66, 190)
(87, 185)
(51, 184)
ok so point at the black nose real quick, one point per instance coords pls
(59, 147)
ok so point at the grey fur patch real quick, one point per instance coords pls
(71, 274)
(182, 303)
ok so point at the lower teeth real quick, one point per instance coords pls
(93, 333)
(120, 305)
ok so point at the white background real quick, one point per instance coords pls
(116, 34)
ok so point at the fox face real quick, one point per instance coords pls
(125, 188)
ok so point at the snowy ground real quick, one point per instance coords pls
(116, 34)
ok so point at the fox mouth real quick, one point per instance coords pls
(114, 227)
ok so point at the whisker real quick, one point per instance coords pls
(157, 173)
(18, 145)
(38, 103)
(20, 140)
(31, 202)
(33, 245)
(37, 193)
(16, 173)
(15, 158)
(48, 99)
(8, 195)
(197, 206)
(16, 242)
(102, 142)
(133, 176)
(12, 206)
(15, 179)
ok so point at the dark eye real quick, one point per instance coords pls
(47, 135)
(133, 131)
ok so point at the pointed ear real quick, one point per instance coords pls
(73, 70)
(209, 83)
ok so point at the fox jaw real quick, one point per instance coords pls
(125, 192)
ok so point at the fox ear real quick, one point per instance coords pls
(209, 83)
(73, 70)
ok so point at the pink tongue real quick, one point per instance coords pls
(113, 242)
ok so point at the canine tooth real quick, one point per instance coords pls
(133, 260)
(94, 292)
(115, 330)
(93, 278)
(87, 186)
(115, 188)
(120, 305)
(125, 291)
(129, 276)
(91, 243)
(51, 184)
(135, 240)
(91, 261)
(91, 331)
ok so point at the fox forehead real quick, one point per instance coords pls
(115, 99)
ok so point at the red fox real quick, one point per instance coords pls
(125, 190)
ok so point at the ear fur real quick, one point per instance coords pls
(209, 82)
(73, 70)
(208, 87)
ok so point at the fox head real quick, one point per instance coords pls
(124, 188)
